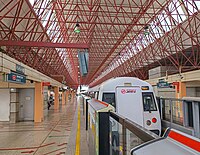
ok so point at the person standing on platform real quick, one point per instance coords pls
(50, 101)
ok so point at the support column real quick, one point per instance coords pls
(180, 93)
(63, 98)
(180, 90)
(72, 94)
(67, 96)
(38, 106)
(56, 99)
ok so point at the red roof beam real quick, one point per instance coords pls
(43, 44)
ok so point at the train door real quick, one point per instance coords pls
(129, 103)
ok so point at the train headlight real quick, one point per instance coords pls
(148, 122)
(154, 120)
(145, 87)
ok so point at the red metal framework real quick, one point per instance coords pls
(174, 44)
(41, 35)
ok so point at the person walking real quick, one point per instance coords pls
(49, 104)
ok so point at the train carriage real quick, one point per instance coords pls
(132, 98)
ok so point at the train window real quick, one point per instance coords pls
(149, 102)
(92, 95)
(109, 98)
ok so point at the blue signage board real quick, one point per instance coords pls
(163, 85)
(16, 78)
(20, 69)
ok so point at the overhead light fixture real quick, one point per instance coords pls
(77, 28)
(146, 30)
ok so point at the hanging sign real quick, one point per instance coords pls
(163, 84)
(46, 83)
(16, 78)
(20, 69)
(177, 86)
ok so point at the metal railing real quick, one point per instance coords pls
(121, 134)
(182, 114)
(126, 134)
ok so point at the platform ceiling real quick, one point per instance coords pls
(123, 37)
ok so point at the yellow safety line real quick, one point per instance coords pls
(78, 133)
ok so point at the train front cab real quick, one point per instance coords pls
(135, 103)
(138, 104)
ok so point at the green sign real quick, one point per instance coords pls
(161, 80)
(163, 84)
(20, 69)
(16, 78)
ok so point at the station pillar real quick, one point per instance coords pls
(67, 96)
(56, 98)
(63, 97)
(38, 106)
(180, 93)
(72, 98)
(180, 90)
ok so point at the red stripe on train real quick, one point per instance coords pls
(185, 140)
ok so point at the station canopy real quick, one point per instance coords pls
(120, 37)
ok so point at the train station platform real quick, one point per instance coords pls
(118, 75)
(65, 132)
(56, 135)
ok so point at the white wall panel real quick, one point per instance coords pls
(26, 101)
(4, 104)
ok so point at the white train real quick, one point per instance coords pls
(132, 98)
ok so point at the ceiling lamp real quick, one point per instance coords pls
(77, 28)
(146, 29)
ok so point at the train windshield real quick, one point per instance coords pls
(149, 102)
(109, 98)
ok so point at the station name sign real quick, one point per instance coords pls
(163, 85)
(16, 78)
